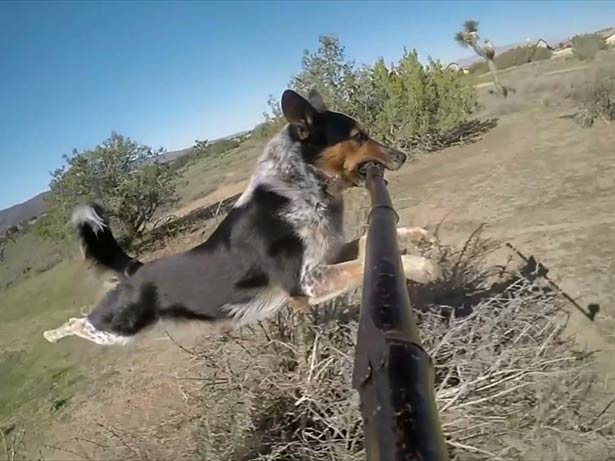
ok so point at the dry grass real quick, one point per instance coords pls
(12, 446)
(508, 385)
(596, 99)
(547, 84)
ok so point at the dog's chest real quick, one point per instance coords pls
(320, 226)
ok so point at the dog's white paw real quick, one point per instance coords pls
(416, 234)
(51, 336)
(420, 269)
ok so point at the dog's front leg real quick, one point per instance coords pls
(353, 249)
(324, 283)
(415, 234)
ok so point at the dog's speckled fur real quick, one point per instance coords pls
(283, 240)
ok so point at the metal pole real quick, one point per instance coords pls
(392, 373)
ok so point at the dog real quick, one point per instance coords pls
(281, 243)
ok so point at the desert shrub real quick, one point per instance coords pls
(266, 129)
(13, 447)
(478, 68)
(508, 385)
(511, 58)
(587, 46)
(181, 162)
(4, 242)
(596, 100)
(522, 55)
(395, 103)
(218, 148)
(122, 175)
(414, 99)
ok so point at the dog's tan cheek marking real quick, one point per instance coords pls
(334, 159)
(367, 151)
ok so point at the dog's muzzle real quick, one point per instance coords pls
(393, 159)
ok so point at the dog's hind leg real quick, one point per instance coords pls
(119, 316)
(83, 328)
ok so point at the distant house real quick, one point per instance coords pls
(606, 32)
(541, 43)
(456, 67)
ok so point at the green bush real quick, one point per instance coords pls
(514, 57)
(411, 99)
(394, 104)
(586, 47)
(122, 175)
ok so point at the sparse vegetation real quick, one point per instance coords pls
(5, 240)
(124, 176)
(499, 355)
(200, 147)
(587, 46)
(221, 147)
(204, 149)
(597, 99)
(511, 58)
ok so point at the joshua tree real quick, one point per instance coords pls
(468, 37)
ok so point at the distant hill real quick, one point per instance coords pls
(17, 213)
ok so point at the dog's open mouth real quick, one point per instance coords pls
(364, 167)
(362, 170)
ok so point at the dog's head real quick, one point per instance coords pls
(334, 142)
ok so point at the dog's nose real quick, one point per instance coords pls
(398, 158)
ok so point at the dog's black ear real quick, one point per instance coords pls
(297, 110)
(316, 100)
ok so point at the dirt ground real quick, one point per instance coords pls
(543, 184)
(537, 180)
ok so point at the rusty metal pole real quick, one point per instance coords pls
(392, 372)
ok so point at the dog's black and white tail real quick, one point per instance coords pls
(98, 243)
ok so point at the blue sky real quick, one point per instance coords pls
(166, 74)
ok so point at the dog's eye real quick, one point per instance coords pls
(360, 137)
